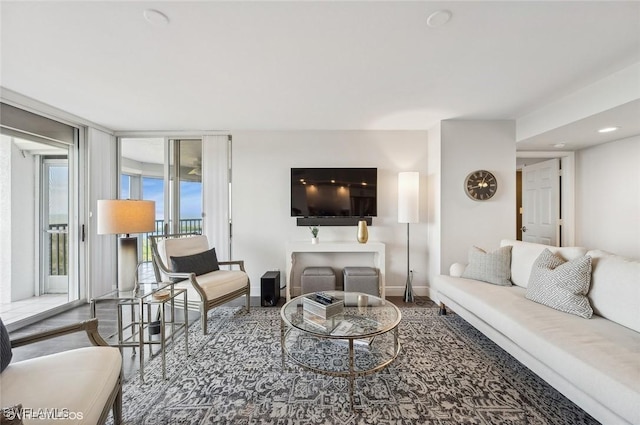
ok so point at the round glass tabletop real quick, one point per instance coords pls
(360, 316)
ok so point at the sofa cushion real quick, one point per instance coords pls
(491, 267)
(5, 347)
(524, 254)
(597, 356)
(200, 263)
(560, 284)
(615, 288)
(79, 381)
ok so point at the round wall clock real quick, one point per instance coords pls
(480, 185)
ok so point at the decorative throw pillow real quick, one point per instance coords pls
(5, 347)
(492, 267)
(560, 284)
(200, 263)
(11, 415)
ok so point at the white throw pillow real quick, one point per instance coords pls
(491, 267)
(560, 284)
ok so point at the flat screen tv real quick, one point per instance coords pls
(334, 192)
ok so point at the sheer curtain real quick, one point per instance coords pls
(216, 204)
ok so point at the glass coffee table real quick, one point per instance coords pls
(362, 340)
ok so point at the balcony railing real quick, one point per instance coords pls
(58, 249)
(59, 243)
(187, 225)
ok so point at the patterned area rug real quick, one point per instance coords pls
(446, 373)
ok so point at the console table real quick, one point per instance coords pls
(370, 254)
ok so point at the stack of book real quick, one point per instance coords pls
(322, 310)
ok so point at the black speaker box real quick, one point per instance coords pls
(270, 289)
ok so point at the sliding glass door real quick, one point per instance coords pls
(169, 172)
(38, 252)
(54, 234)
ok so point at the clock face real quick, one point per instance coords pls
(480, 185)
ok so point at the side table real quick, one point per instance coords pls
(145, 297)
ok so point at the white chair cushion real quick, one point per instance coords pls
(179, 247)
(216, 284)
(79, 381)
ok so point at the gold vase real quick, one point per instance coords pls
(363, 233)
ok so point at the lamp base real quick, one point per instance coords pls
(408, 290)
(127, 263)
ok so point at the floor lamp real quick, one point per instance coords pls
(123, 217)
(408, 212)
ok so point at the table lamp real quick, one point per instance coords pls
(408, 212)
(123, 217)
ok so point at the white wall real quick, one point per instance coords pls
(23, 217)
(434, 205)
(608, 197)
(467, 146)
(261, 190)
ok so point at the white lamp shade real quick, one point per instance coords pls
(119, 216)
(408, 197)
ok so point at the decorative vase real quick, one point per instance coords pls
(363, 233)
(314, 240)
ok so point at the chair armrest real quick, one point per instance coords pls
(180, 275)
(89, 326)
(239, 263)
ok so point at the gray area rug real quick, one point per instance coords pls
(446, 373)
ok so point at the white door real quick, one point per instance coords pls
(541, 202)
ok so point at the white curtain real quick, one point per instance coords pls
(103, 171)
(216, 165)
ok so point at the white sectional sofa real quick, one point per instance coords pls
(594, 362)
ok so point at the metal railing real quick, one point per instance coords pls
(187, 225)
(59, 243)
(58, 249)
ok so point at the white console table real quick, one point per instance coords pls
(370, 254)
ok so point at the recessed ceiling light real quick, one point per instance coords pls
(559, 145)
(439, 18)
(607, 129)
(155, 17)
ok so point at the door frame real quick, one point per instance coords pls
(567, 190)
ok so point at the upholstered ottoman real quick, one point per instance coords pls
(361, 279)
(316, 279)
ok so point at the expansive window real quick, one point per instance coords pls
(38, 216)
(148, 171)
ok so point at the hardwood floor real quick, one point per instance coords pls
(108, 327)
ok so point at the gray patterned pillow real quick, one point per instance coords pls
(560, 284)
(492, 267)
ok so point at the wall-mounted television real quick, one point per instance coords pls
(334, 192)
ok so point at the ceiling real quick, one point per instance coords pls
(311, 65)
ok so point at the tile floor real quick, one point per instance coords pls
(18, 310)
(12, 312)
